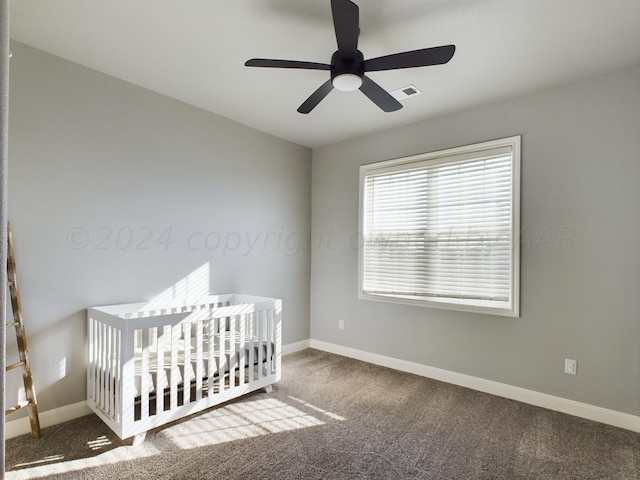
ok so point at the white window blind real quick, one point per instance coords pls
(441, 230)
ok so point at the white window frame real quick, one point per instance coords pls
(509, 308)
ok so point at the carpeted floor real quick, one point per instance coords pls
(336, 418)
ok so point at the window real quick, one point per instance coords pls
(441, 229)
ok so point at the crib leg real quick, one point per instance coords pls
(268, 389)
(139, 439)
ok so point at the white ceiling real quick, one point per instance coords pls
(194, 51)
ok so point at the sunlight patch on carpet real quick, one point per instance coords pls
(99, 443)
(318, 409)
(121, 454)
(240, 421)
(50, 458)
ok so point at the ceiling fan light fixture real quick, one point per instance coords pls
(347, 82)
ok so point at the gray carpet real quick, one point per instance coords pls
(336, 418)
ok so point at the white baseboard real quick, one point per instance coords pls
(21, 426)
(551, 402)
(295, 347)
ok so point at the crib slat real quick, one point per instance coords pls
(110, 376)
(103, 366)
(260, 316)
(211, 359)
(242, 345)
(222, 349)
(154, 359)
(114, 370)
(269, 341)
(186, 378)
(99, 365)
(107, 377)
(161, 376)
(199, 360)
(233, 364)
(144, 373)
(251, 319)
(118, 377)
(175, 372)
(96, 364)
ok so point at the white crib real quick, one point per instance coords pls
(149, 365)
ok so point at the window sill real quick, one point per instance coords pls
(478, 306)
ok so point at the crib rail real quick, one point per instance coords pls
(150, 366)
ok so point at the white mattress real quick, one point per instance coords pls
(162, 375)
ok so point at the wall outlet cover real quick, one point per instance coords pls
(570, 366)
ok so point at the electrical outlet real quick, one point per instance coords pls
(341, 324)
(570, 366)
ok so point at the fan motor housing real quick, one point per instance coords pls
(340, 66)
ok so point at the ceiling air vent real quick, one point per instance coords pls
(405, 92)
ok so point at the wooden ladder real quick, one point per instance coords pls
(21, 339)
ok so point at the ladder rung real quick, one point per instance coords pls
(17, 407)
(14, 324)
(15, 365)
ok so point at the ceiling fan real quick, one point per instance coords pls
(348, 65)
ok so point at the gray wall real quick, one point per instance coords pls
(104, 174)
(580, 257)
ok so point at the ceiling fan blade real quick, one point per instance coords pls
(315, 98)
(266, 62)
(346, 24)
(379, 95)
(415, 58)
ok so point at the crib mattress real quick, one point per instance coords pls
(162, 375)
